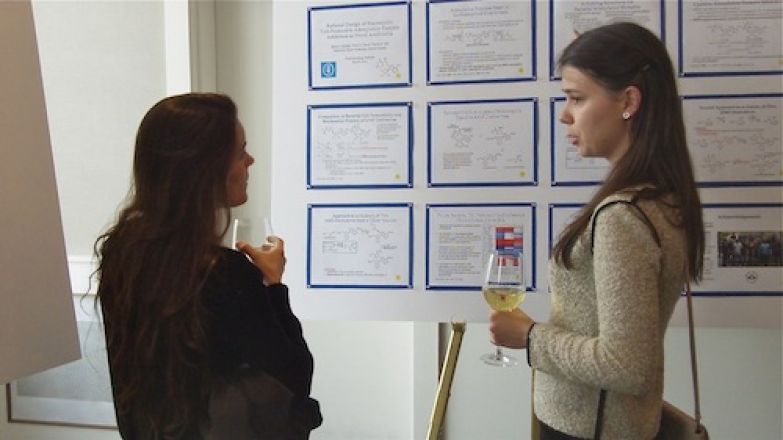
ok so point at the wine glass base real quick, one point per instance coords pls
(499, 360)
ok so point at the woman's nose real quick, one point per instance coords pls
(565, 116)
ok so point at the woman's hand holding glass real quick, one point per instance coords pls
(509, 329)
(269, 258)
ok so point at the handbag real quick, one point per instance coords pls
(248, 406)
(676, 424)
(253, 405)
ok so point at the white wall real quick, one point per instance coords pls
(740, 380)
(103, 67)
(740, 377)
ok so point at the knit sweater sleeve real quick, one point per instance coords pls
(623, 355)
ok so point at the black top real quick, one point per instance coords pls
(254, 326)
(253, 330)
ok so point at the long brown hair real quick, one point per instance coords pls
(621, 55)
(155, 259)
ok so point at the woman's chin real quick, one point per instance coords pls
(238, 201)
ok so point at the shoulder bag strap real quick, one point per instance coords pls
(599, 419)
(692, 340)
(631, 202)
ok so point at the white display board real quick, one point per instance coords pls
(460, 117)
(37, 323)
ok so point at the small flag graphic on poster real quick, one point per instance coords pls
(508, 243)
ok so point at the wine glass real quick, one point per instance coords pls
(247, 229)
(504, 290)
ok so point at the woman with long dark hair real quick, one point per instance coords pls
(186, 319)
(618, 268)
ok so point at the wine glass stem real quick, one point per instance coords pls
(498, 353)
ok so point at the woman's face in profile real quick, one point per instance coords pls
(236, 180)
(593, 115)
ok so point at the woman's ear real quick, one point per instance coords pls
(633, 100)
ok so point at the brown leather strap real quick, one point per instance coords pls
(692, 340)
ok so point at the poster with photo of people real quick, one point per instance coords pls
(749, 249)
(742, 249)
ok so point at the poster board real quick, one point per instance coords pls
(552, 179)
(37, 323)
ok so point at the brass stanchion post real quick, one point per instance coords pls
(446, 377)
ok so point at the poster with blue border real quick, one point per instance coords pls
(472, 41)
(483, 143)
(359, 45)
(460, 236)
(568, 19)
(360, 246)
(360, 145)
(742, 255)
(727, 37)
(560, 215)
(735, 140)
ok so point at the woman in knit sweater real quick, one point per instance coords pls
(618, 269)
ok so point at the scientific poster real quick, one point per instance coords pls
(560, 215)
(742, 249)
(568, 167)
(460, 237)
(359, 245)
(571, 18)
(473, 41)
(362, 45)
(735, 140)
(359, 145)
(483, 143)
(729, 37)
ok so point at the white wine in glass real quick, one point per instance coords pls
(504, 290)
(504, 299)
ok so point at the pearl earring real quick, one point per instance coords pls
(626, 115)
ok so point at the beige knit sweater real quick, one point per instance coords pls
(608, 319)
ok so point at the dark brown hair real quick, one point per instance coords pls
(621, 55)
(154, 260)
